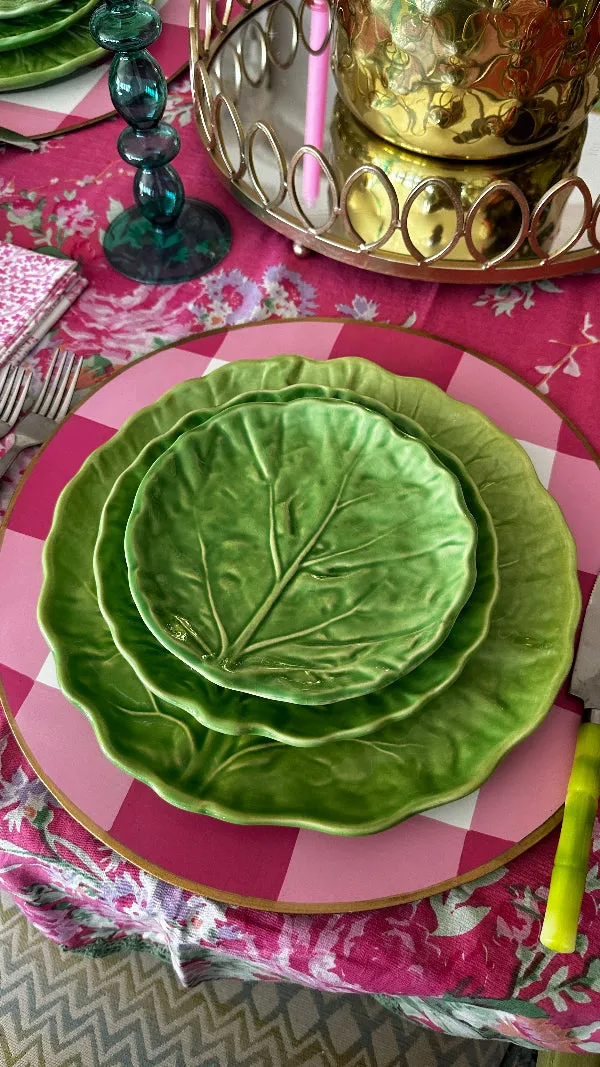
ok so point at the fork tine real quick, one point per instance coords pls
(14, 392)
(3, 377)
(20, 399)
(53, 385)
(9, 393)
(42, 395)
(66, 404)
(62, 385)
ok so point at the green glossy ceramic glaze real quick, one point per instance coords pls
(304, 552)
(47, 60)
(37, 64)
(11, 9)
(358, 786)
(236, 713)
(38, 25)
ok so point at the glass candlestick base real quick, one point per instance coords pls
(161, 255)
(164, 238)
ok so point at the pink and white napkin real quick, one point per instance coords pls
(35, 291)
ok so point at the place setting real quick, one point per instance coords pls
(304, 608)
(309, 618)
(300, 606)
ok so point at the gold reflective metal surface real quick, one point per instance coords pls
(372, 204)
(495, 224)
(469, 79)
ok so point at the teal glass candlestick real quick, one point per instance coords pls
(164, 237)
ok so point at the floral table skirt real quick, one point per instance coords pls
(467, 962)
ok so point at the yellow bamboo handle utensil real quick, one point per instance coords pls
(567, 1059)
(569, 873)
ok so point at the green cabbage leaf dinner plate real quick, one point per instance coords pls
(234, 713)
(38, 25)
(302, 551)
(362, 785)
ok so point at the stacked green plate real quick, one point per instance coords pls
(302, 551)
(10, 9)
(310, 594)
(44, 40)
(221, 708)
(33, 23)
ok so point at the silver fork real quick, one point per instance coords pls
(50, 407)
(14, 383)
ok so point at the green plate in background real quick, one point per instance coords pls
(230, 712)
(361, 786)
(12, 9)
(24, 68)
(38, 25)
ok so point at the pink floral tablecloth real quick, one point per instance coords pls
(468, 961)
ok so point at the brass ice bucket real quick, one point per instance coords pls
(468, 79)
(432, 220)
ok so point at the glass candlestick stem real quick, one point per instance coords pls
(163, 237)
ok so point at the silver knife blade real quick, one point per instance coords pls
(585, 682)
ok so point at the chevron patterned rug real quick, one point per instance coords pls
(60, 1009)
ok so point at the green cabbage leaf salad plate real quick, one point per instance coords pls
(302, 551)
(234, 712)
(362, 785)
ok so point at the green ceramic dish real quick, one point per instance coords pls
(38, 25)
(37, 64)
(47, 61)
(360, 786)
(11, 9)
(235, 713)
(303, 552)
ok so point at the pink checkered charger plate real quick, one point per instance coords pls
(272, 867)
(83, 97)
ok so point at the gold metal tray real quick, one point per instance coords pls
(374, 205)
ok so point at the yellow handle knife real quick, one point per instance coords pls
(571, 862)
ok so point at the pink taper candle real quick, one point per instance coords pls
(316, 99)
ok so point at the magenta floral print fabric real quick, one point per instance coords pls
(467, 961)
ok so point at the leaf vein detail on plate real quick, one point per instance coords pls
(305, 551)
